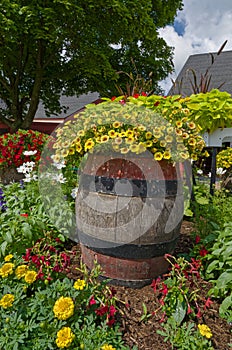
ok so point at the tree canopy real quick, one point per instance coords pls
(70, 47)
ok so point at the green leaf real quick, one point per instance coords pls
(180, 312)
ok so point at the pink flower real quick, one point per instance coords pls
(92, 301)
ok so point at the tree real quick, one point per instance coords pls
(54, 47)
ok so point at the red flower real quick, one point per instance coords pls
(208, 303)
(143, 93)
(113, 98)
(102, 310)
(203, 251)
(25, 215)
(136, 95)
(197, 239)
(112, 311)
(156, 103)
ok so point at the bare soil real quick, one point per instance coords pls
(144, 334)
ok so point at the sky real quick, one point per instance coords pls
(202, 26)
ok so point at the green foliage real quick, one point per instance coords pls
(72, 47)
(184, 337)
(30, 321)
(23, 219)
(219, 270)
(211, 110)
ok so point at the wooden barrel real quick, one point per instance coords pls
(129, 212)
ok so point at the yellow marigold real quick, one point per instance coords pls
(79, 284)
(65, 336)
(21, 271)
(205, 331)
(108, 347)
(6, 269)
(30, 276)
(8, 257)
(7, 300)
(63, 308)
(158, 156)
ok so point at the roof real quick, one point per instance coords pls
(72, 104)
(220, 72)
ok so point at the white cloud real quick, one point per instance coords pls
(208, 24)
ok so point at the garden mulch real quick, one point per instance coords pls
(144, 334)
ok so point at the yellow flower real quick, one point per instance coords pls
(71, 151)
(116, 125)
(81, 133)
(130, 133)
(168, 138)
(205, 331)
(108, 347)
(148, 135)
(141, 127)
(148, 143)
(89, 144)
(65, 336)
(178, 132)
(124, 150)
(167, 155)
(122, 134)
(30, 276)
(158, 156)
(185, 135)
(130, 140)
(63, 308)
(78, 147)
(104, 138)
(6, 270)
(7, 300)
(21, 271)
(184, 155)
(134, 148)
(192, 142)
(179, 123)
(163, 143)
(191, 125)
(79, 284)
(112, 134)
(8, 257)
(118, 140)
